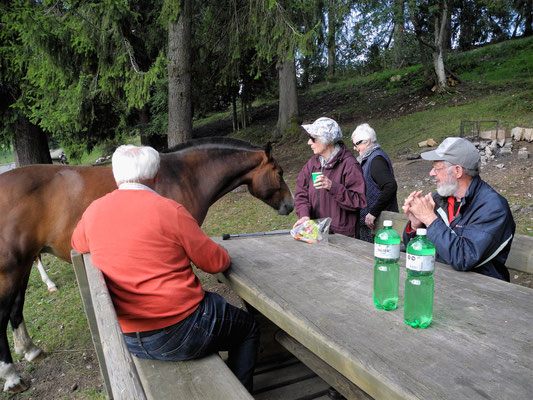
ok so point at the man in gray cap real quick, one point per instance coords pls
(470, 224)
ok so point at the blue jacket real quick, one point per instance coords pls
(480, 235)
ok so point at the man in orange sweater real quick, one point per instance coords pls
(144, 245)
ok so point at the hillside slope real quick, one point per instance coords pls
(496, 84)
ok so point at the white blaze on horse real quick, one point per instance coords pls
(40, 206)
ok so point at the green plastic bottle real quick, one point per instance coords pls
(386, 270)
(418, 302)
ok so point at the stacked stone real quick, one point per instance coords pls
(491, 149)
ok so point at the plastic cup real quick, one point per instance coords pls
(315, 175)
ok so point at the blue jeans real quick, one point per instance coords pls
(215, 326)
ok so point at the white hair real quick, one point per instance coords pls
(364, 132)
(449, 186)
(133, 164)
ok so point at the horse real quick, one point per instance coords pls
(40, 206)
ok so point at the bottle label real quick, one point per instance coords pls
(386, 251)
(420, 263)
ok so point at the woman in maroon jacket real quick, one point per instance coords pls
(339, 192)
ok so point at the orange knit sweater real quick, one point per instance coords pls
(144, 244)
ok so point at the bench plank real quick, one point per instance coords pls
(306, 389)
(520, 257)
(204, 378)
(125, 382)
(521, 254)
(284, 376)
(83, 285)
(321, 368)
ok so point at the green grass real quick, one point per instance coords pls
(440, 122)
(104, 149)
(242, 213)
(6, 157)
(510, 61)
(212, 118)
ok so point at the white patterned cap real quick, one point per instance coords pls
(325, 127)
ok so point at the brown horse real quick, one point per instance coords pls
(41, 204)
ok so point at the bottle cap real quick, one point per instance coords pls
(421, 232)
(387, 222)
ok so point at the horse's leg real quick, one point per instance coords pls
(23, 343)
(14, 383)
(44, 276)
(11, 306)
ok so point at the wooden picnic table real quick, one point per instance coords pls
(479, 345)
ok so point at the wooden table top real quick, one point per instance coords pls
(479, 345)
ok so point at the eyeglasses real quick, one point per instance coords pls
(438, 169)
(312, 138)
(358, 142)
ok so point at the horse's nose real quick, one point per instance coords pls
(286, 207)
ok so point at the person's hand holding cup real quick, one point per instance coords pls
(315, 175)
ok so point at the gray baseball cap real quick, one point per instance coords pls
(455, 150)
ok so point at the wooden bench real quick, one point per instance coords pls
(127, 377)
(520, 257)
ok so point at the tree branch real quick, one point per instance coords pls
(131, 56)
(418, 31)
(452, 75)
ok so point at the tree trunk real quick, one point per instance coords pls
(438, 65)
(447, 35)
(30, 144)
(234, 112)
(438, 50)
(421, 43)
(466, 33)
(249, 112)
(397, 49)
(423, 58)
(305, 77)
(528, 16)
(437, 46)
(157, 141)
(179, 77)
(244, 120)
(288, 98)
(331, 37)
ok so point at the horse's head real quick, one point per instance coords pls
(267, 184)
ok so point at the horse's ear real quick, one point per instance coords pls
(268, 149)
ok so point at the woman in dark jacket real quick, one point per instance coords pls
(380, 183)
(339, 192)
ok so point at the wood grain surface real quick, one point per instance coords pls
(479, 346)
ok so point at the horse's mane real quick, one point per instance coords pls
(214, 141)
